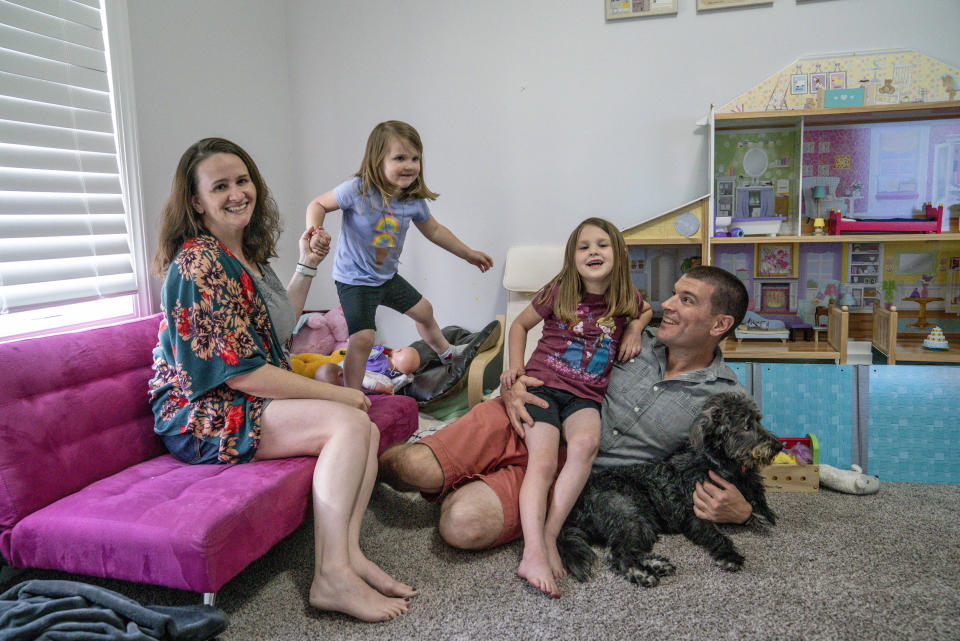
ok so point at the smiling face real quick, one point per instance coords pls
(593, 258)
(224, 195)
(688, 317)
(401, 164)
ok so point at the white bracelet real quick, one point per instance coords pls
(306, 270)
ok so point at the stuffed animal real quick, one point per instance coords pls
(852, 481)
(321, 333)
(307, 364)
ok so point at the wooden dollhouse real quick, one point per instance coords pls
(884, 157)
(871, 170)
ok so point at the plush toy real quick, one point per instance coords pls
(321, 333)
(852, 481)
(307, 364)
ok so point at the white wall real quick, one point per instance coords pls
(534, 114)
(212, 68)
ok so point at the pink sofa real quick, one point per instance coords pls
(87, 487)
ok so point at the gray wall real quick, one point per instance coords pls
(534, 114)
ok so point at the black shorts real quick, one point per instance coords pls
(360, 302)
(562, 405)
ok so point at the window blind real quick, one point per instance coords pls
(63, 225)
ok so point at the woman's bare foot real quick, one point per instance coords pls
(346, 592)
(553, 558)
(379, 580)
(538, 574)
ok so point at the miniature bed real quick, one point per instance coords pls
(755, 326)
(929, 225)
(905, 348)
(834, 349)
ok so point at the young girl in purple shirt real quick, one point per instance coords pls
(585, 309)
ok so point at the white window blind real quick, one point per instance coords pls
(63, 226)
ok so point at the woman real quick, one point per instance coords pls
(224, 391)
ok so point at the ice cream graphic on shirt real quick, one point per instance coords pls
(384, 238)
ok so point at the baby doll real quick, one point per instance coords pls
(387, 370)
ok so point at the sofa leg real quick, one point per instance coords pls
(209, 598)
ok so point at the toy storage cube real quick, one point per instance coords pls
(794, 478)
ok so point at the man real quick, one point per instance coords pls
(476, 464)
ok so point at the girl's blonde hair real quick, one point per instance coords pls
(619, 296)
(179, 221)
(371, 167)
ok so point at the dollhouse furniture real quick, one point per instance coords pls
(900, 348)
(835, 348)
(922, 315)
(929, 225)
(755, 326)
(87, 487)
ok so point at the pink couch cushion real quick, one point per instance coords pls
(73, 410)
(164, 522)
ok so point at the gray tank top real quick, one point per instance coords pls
(278, 304)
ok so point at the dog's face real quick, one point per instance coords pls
(729, 426)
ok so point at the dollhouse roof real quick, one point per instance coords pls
(891, 76)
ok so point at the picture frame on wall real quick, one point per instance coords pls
(620, 9)
(706, 5)
(775, 261)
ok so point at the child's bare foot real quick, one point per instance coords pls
(379, 580)
(538, 574)
(553, 558)
(346, 592)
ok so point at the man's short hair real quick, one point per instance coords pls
(729, 293)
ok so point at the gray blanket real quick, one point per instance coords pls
(68, 610)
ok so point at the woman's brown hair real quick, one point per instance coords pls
(619, 296)
(179, 221)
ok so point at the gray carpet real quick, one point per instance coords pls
(836, 567)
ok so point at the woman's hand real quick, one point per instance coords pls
(314, 246)
(355, 398)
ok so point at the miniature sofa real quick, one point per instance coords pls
(87, 487)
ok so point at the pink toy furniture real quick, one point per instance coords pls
(929, 225)
(87, 487)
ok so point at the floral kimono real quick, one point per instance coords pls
(216, 326)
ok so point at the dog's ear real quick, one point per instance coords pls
(702, 425)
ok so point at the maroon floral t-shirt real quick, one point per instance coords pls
(577, 358)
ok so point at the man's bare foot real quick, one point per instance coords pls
(346, 592)
(538, 574)
(553, 558)
(379, 580)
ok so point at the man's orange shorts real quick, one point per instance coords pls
(483, 446)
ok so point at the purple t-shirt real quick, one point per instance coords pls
(577, 359)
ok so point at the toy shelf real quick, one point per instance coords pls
(841, 238)
(837, 116)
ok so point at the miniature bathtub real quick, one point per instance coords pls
(768, 226)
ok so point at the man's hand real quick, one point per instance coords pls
(720, 501)
(515, 400)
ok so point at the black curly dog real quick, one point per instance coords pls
(626, 507)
